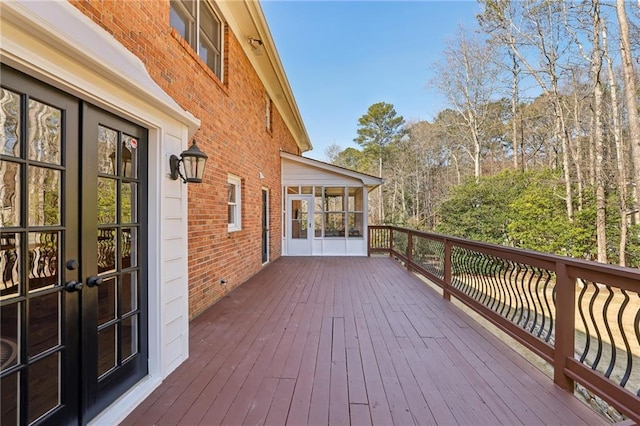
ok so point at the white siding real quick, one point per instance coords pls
(299, 174)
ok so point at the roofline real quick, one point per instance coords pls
(246, 19)
(369, 180)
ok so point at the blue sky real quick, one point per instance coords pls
(342, 56)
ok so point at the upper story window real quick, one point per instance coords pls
(198, 24)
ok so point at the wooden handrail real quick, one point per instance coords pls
(532, 297)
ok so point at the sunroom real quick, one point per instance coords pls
(324, 208)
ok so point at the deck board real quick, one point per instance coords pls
(336, 341)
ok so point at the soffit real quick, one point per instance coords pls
(246, 19)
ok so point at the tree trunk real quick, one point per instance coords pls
(514, 110)
(380, 203)
(630, 94)
(596, 68)
(560, 133)
(621, 164)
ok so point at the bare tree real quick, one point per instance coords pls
(468, 78)
(596, 68)
(630, 94)
(538, 28)
(620, 149)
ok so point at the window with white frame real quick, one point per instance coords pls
(234, 203)
(199, 25)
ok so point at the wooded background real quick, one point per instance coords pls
(540, 145)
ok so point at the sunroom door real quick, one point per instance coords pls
(300, 225)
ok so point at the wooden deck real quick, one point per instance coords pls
(334, 341)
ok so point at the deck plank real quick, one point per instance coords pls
(356, 341)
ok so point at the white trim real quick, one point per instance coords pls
(369, 181)
(236, 225)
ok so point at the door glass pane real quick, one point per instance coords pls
(10, 122)
(44, 386)
(43, 260)
(44, 323)
(9, 194)
(128, 202)
(10, 265)
(317, 220)
(9, 405)
(107, 301)
(107, 155)
(106, 250)
(299, 217)
(9, 328)
(129, 293)
(44, 196)
(129, 248)
(318, 205)
(129, 160)
(129, 337)
(107, 200)
(106, 350)
(44, 132)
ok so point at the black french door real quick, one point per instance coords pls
(73, 248)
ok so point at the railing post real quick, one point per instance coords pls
(390, 242)
(409, 251)
(446, 294)
(564, 346)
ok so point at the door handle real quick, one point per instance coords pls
(94, 281)
(72, 286)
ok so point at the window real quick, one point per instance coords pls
(355, 219)
(234, 203)
(333, 212)
(197, 23)
(267, 114)
(338, 211)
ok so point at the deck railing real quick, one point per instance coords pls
(582, 317)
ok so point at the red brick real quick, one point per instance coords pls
(232, 133)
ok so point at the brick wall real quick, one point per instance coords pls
(232, 133)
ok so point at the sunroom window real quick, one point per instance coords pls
(198, 24)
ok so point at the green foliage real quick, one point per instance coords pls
(477, 210)
(353, 159)
(379, 127)
(539, 220)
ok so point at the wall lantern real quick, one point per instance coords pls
(193, 160)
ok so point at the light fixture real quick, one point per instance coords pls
(193, 161)
(255, 42)
(257, 46)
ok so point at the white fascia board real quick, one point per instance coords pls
(369, 181)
